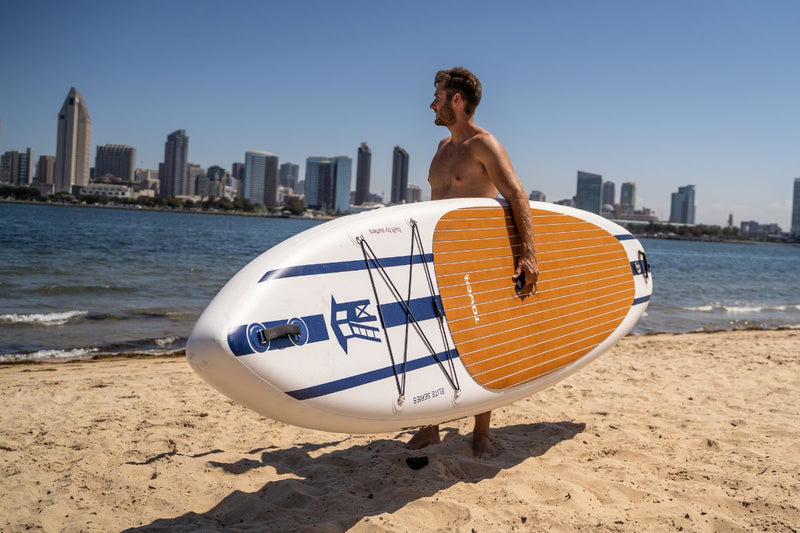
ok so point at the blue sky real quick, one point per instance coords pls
(663, 94)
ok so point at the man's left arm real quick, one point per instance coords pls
(498, 165)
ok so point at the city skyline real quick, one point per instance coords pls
(665, 95)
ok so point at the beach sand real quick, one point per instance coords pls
(695, 432)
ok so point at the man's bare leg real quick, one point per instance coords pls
(425, 436)
(481, 445)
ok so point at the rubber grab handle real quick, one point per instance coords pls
(284, 330)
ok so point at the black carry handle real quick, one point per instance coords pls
(285, 330)
(520, 284)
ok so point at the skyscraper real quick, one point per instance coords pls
(117, 160)
(173, 172)
(589, 196)
(682, 208)
(796, 209)
(16, 167)
(327, 183)
(261, 178)
(363, 170)
(342, 175)
(399, 175)
(318, 179)
(73, 144)
(609, 192)
(46, 168)
(289, 174)
(627, 197)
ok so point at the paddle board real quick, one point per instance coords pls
(407, 316)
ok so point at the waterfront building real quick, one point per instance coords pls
(327, 183)
(46, 169)
(146, 179)
(751, 228)
(609, 193)
(627, 197)
(537, 196)
(196, 179)
(589, 196)
(414, 194)
(16, 167)
(363, 170)
(399, 175)
(261, 178)
(111, 190)
(73, 143)
(117, 160)
(795, 230)
(682, 206)
(173, 173)
(288, 175)
(342, 167)
(317, 182)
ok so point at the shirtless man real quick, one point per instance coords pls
(472, 163)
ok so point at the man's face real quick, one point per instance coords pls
(445, 115)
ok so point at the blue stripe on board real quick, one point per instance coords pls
(625, 237)
(365, 378)
(340, 266)
(641, 300)
(394, 314)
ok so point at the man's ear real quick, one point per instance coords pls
(457, 99)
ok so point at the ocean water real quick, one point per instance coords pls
(84, 281)
(75, 282)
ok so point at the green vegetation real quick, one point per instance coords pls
(698, 232)
(30, 194)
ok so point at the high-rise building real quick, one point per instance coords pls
(609, 193)
(74, 141)
(414, 194)
(288, 175)
(46, 169)
(173, 173)
(327, 183)
(342, 175)
(261, 178)
(117, 160)
(627, 197)
(16, 167)
(318, 178)
(682, 208)
(399, 175)
(363, 169)
(589, 196)
(196, 183)
(795, 231)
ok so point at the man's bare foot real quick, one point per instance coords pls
(481, 445)
(424, 437)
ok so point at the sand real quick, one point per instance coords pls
(691, 432)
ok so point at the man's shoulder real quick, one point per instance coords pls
(483, 141)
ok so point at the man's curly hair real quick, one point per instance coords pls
(461, 80)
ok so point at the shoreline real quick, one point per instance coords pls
(92, 356)
(331, 217)
(663, 432)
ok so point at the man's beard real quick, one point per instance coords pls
(446, 117)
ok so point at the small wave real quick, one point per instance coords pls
(44, 319)
(743, 309)
(39, 355)
(703, 308)
(167, 341)
(56, 290)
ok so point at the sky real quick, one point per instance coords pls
(659, 93)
